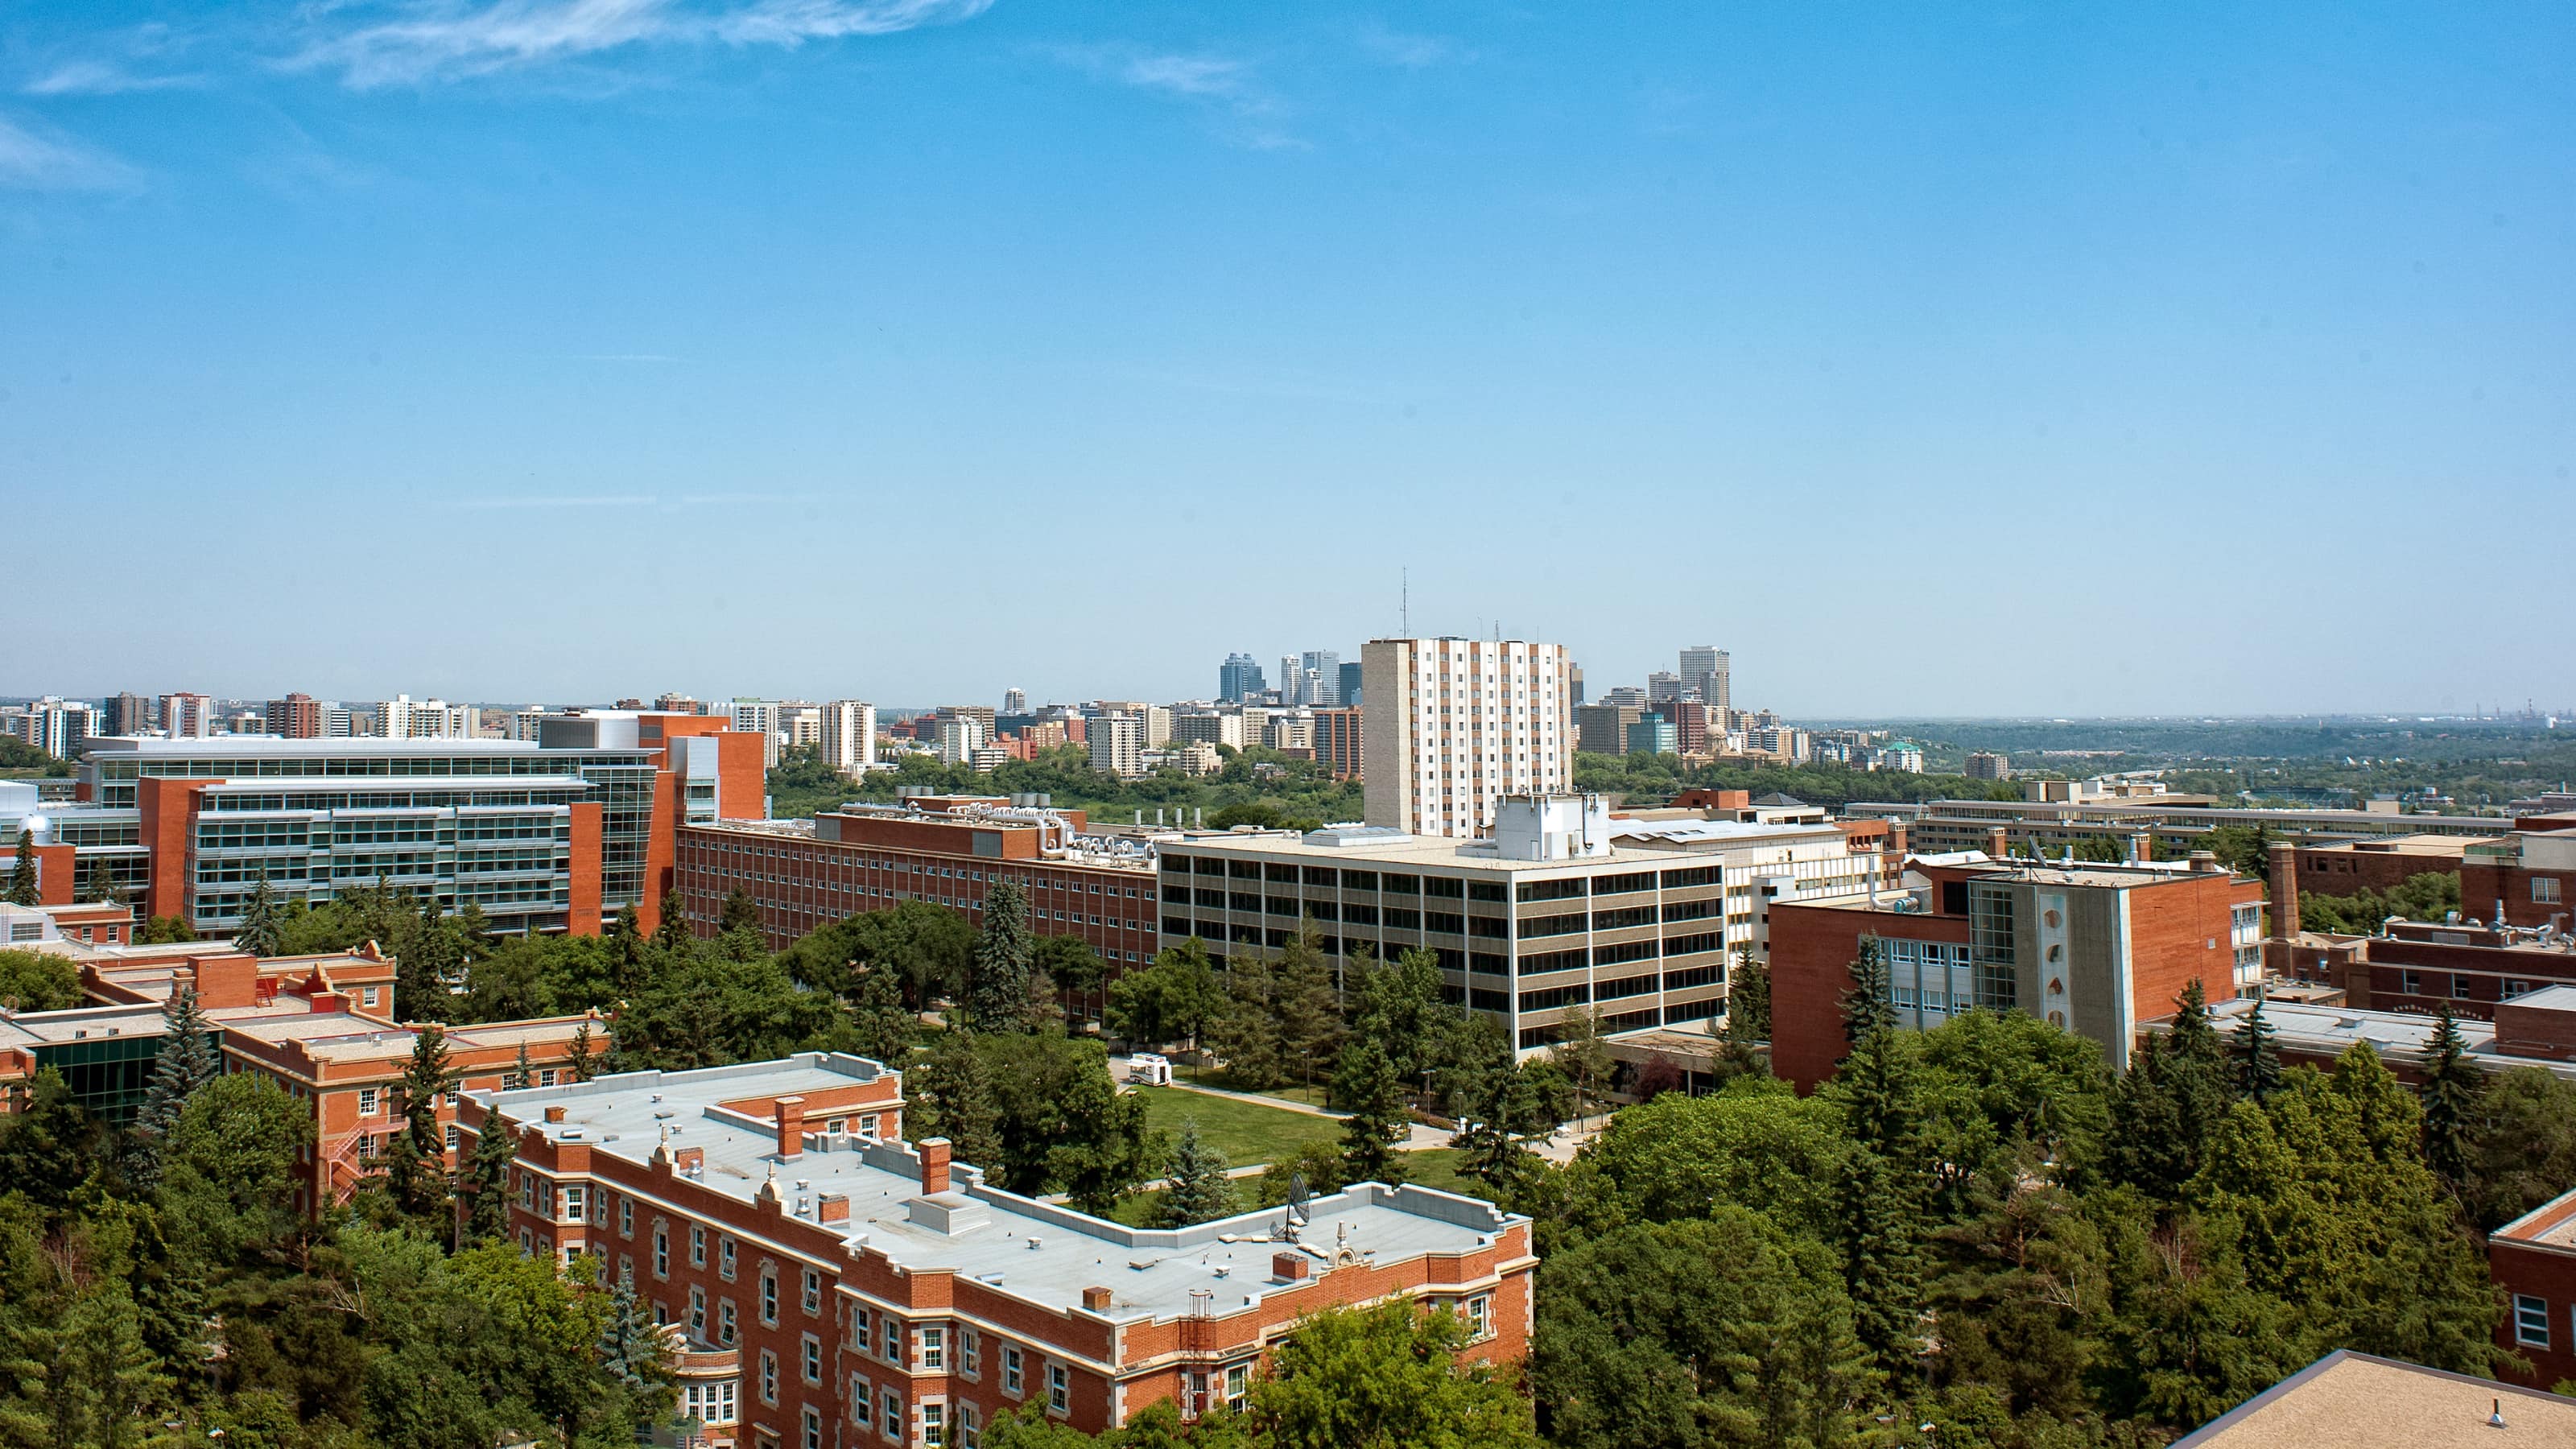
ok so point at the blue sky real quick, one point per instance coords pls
(1934, 359)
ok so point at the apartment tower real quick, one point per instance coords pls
(850, 736)
(1450, 726)
(1704, 671)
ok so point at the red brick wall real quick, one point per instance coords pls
(169, 814)
(2331, 871)
(1812, 948)
(584, 916)
(2181, 931)
(2481, 886)
(2546, 1273)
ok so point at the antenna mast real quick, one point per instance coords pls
(1404, 582)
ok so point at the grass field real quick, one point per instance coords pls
(1246, 1132)
(1209, 1076)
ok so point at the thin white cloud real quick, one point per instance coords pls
(702, 499)
(1228, 89)
(1411, 52)
(587, 500)
(38, 161)
(439, 40)
(625, 357)
(102, 78)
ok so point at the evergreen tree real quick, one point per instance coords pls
(626, 953)
(1878, 1195)
(415, 1163)
(23, 890)
(48, 1146)
(1378, 1124)
(1245, 1033)
(1870, 1005)
(741, 913)
(584, 1066)
(189, 1059)
(419, 941)
(519, 1077)
(1200, 1190)
(487, 1181)
(1748, 1001)
(954, 1097)
(2258, 1056)
(1303, 1004)
(885, 1028)
(102, 884)
(258, 931)
(630, 1346)
(998, 980)
(671, 933)
(2452, 1087)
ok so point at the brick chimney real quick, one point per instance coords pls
(327, 1001)
(2285, 891)
(2142, 848)
(1291, 1267)
(1096, 1300)
(1998, 845)
(791, 1128)
(934, 1165)
(554, 1114)
(832, 1207)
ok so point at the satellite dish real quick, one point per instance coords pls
(1297, 1198)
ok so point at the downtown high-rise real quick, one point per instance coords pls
(1452, 725)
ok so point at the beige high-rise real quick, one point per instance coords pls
(1450, 726)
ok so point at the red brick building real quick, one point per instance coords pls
(2530, 875)
(947, 850)
(2096, 949)
(2533, 1262)
(2383, 863)
(831, 1284)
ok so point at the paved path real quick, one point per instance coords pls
(1418, 1139)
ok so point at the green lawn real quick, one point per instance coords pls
(1246, 1132)
(1439, 1168)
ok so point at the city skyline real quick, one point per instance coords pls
(2112, 337)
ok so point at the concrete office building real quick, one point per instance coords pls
(958, 739)
(849, 737)
(1986, 765)
(1208, 726)
(1015, 701)
(1563, 907)
(830, 1284)
(1453, 725)
(1602, 729)
(1705, 672)
(131, 714)
(405, 718)
(1663, 688)
(1117, 743)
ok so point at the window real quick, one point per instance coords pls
(573, 1204)
(661, 1251)
(626, 1217)
(813, 1429)
(1480, 1318)
(724, 1259)
(970, 1348)
(859, 1329)
(893, 1350)
(969, 1434)
(710, 1403)
(451, 1137)
(724, 1322)
(1011, 1372)
(2530, 1321)
(1238, 1382)
(2544, 889)
(768, 1377)
(697, 1246)
(934, 1424)
(934, 1350)
(813, 1302)
(1059, 1389)
(891, 1406)
(813, 1359)
(698, 1314)
(768, 1295)
(368, 1098)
